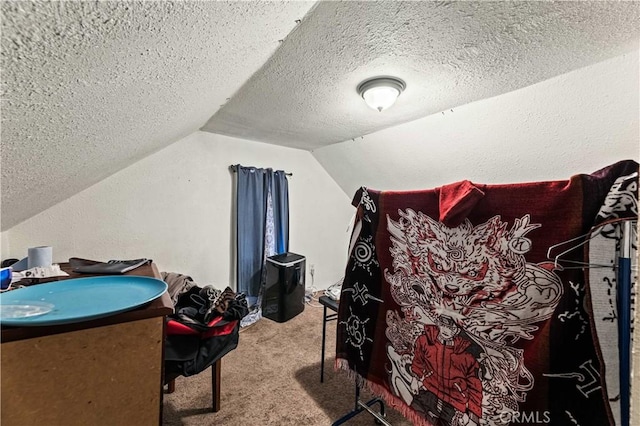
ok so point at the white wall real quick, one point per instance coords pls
(175, 207)
(575, 123)
(4, 245)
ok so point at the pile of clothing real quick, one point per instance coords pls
(204, 326)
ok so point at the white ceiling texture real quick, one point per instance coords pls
(89, 88)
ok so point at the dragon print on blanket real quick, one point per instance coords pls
(453, 312)
(476, 282)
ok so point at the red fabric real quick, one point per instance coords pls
(448, 370)
(476, 256)
(177, 328)
(457, 200)
(221, 330)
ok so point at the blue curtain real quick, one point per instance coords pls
(262, 222)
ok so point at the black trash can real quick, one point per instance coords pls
(284, 289)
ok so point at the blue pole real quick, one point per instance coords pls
(624, 323)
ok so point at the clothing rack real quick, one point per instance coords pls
(623, 271)
(623, 305)
(372, 339)
(234, 168)
(364, 406)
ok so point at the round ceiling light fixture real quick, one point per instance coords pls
(381, 92)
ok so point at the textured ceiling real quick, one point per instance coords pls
(448, 53)
(89, 88)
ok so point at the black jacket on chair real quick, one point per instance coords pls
(204, 328)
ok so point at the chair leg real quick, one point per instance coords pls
(215, 385)
(324, 339)
(171, 386)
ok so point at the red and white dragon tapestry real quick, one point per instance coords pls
(453, 311)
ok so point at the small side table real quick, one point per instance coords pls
(326, 302)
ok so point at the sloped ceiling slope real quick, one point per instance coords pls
(89, 88)
(449, 53)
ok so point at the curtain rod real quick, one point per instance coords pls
(234, 168)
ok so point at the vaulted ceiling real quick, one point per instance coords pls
(89, 88)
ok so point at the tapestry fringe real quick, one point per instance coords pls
(381, 391)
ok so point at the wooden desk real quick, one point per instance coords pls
(106, 371)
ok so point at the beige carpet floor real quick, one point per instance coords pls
(273, 378)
